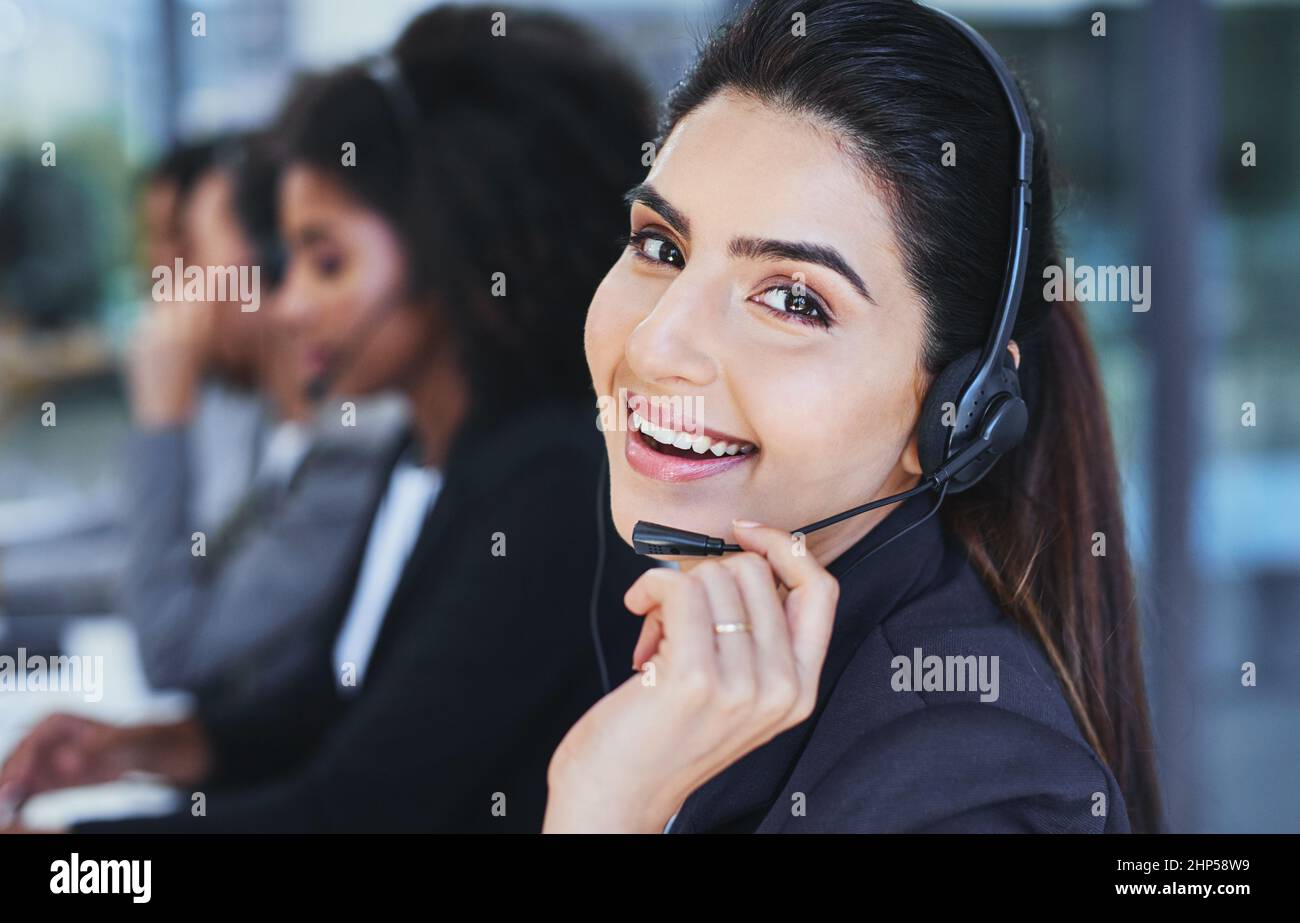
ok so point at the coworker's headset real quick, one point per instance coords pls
(990, 417)
(386, 72)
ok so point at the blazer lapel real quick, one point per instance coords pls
(422, 566)
(486, 452)
(342, 598)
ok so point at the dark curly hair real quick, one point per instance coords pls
(493, 154)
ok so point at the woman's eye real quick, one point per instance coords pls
(656, 249)
(327, 266)
(794, 301)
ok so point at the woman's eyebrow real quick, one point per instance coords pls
(649, 196)
(312, 234)
(755, 248)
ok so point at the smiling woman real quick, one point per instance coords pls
(802, 265)
(759, 309)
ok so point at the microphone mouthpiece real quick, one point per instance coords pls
(652, 538)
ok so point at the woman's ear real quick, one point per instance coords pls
(1014, 348)
(912, 456)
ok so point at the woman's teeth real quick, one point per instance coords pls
(679, 440)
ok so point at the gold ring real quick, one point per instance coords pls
(729, 628)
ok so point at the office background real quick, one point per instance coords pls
(1147, 125)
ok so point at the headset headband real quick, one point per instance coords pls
(1013, 279)
(386, 71)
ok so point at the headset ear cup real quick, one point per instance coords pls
(931, 433)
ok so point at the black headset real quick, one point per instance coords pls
(973, 412)
(385, 71)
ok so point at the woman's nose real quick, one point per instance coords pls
(674, 343)
(293, 308)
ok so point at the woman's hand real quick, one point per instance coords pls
(167, 359)
(708, 693)
(65, 751)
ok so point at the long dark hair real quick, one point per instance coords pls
(512, 157)
(897, 82)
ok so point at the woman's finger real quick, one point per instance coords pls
(20, 770)
(683, 610)
(793, 569)
(21, 776)
(735, 645)
(812, 598)
(648, 641)
(774, 656)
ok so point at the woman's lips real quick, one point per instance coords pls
(678, 414)
(663, 467)
(665, 440)
(316, 360)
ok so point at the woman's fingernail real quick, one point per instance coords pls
(744, 523)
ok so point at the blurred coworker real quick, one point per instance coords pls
(164, 193)
(451, 681)
(242, 621)
(74, 568)
(193, 369)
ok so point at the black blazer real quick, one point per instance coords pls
(878, 757)
(482, 665)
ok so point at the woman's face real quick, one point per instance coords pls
(763, 310)
(161, 239)
(343, 299)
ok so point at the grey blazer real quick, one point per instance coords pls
(242, 622)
